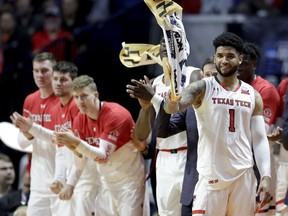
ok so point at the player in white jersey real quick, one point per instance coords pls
(231, 127)
(171, 150)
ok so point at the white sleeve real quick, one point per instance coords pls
(105, 148)
(41, 132)
(60, 165)
(260, 145)
(74, 175)
(156, 101)
(23, 141)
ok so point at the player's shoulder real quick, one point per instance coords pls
(33, 96)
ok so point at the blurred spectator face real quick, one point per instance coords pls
(26, 182)
(7, 173)
(7, 23)
(23, 7)
(69, 6)
(52, 21)
(209, 70)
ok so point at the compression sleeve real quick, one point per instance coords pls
(105, 149)
(156, 100)
(41, 132)
(74, 175)
(260, 145)
(60, 166)
(23, 141)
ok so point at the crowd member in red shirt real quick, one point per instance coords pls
(53, 38)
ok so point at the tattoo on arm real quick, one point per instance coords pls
(192, 93)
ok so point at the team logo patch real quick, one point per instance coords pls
(245, 91)
(267, 112)
(113, 135)
(213, 181)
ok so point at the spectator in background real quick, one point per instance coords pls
(16, 47)
(11, 201)
(53, 38)
(208, 67)
(190, 7)
(71, 17)
(28, 19)
(100, 11)
(7, 175)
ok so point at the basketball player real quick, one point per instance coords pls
(271, 100)
(230, 126)
(104, 129)
(42, 200)
(64, 112)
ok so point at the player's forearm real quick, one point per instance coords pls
(260, 145)
(23, 141)
(60, 165)
(74, 175)
(91, 152)
(41, 132)
(143, 124)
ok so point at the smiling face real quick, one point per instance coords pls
(227, 60)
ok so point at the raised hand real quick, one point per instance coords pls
(142, 90)
(21, 122)
(66, 138)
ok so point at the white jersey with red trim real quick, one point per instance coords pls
(223, 120)
(162, 89)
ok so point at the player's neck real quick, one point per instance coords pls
(95, 111)
(65, 100)
(230, 83)
(46, 92)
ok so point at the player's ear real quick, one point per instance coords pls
(96, 93)
(240, 59)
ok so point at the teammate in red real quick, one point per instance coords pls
(268, 92)
(271, 102)
(40, 104)
(104, 130)
(282, 87)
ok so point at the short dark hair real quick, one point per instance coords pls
(66, 67)
(229, 39)
(251, 50)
